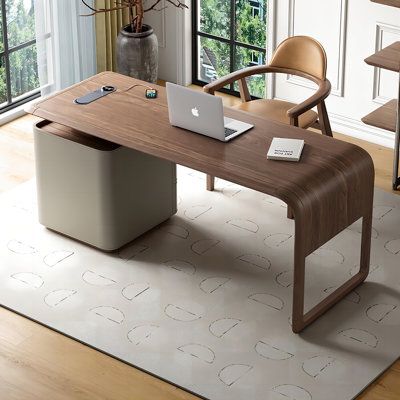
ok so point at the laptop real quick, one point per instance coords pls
(201, 113)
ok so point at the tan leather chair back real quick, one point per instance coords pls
(303, 54)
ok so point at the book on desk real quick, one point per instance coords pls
(285, 149)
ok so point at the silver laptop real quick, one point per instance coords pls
(201, 113)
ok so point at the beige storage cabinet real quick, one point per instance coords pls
(98, 192)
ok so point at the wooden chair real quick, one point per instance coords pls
(297, 55)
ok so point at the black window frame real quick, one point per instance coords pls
(5, 55)
(232, 42)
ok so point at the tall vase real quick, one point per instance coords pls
(137, 53)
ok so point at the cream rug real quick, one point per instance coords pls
(204, 301)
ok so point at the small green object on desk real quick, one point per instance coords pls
(151, 93)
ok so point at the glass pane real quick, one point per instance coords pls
(20, 21)
(23, 69)
(3, 87)
(214, 59)
(214, 17)
(248, 58)
(1, 31)
(251, 22)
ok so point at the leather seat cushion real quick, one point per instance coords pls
(276, 110)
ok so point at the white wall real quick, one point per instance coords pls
(173, 29)
(350, 30)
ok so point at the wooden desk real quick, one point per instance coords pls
(329, 189)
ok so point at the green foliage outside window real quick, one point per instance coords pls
(250, 28)
(215, 17)
(2, 70)
(23, 62)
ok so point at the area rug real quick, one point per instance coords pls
(204, 301)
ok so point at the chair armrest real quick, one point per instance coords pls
(321, 94)
(235, 76)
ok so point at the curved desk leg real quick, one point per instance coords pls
(301, 320)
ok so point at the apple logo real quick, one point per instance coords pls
(195, 112)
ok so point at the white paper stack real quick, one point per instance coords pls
(285, 149)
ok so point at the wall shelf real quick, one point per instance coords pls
(388, 116)
(383, 117)
(393, 3)
(387, 58)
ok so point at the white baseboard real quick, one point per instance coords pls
(359, 130)
(9, 116)
(16, 112)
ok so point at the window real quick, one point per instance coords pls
(19, 81)
(255, 8)
(229, 35)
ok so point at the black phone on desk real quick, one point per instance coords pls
(95, 95)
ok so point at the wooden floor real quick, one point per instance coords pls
(37, 363)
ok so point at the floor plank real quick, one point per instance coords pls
(37, 363)
(16, 152)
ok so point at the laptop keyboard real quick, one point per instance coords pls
(229, 132)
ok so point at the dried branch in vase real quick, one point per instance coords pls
(136, 10)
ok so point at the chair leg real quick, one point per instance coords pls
(294, 121)
(290, 213)
(323, 119)
(210, 182)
